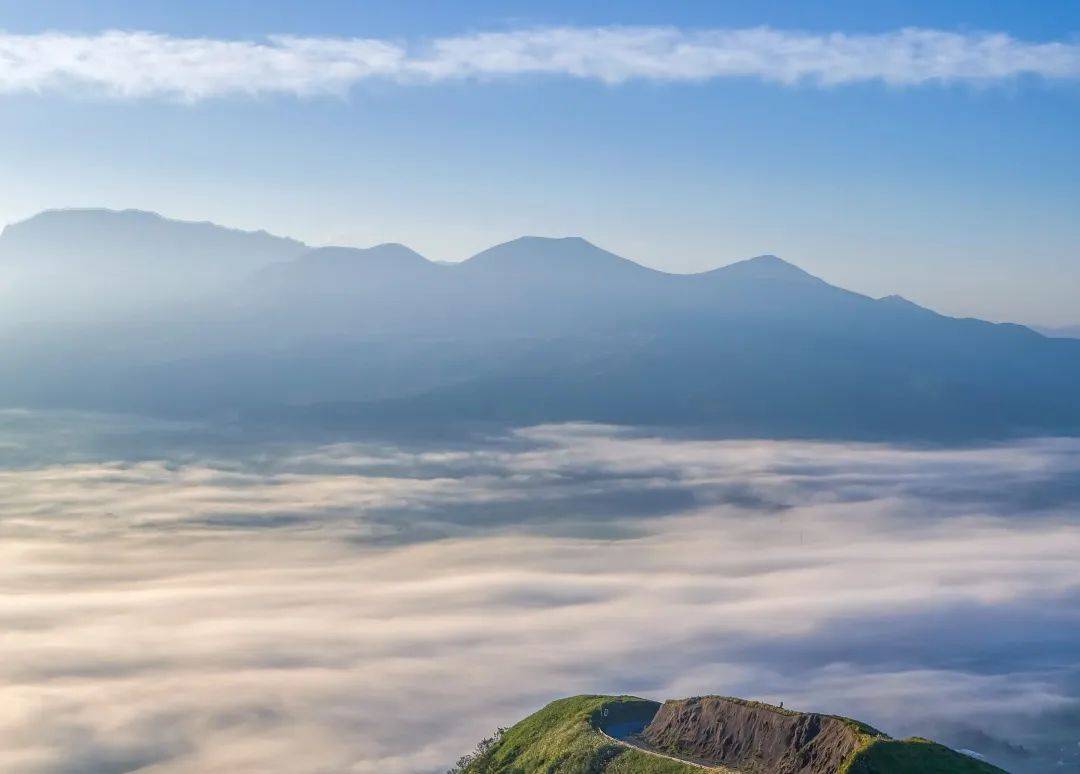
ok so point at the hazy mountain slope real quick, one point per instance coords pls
(342, 270)
(635, 736)
(532, 330)
(529, 287)
(84, 262)
(757, 348)
(132, 238)
(752, 379)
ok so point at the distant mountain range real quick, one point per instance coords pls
(131, 311)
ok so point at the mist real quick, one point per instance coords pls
(380, 376)
(207, 603)
(131, 312)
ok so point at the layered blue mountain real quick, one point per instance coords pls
(67, 264)
(533, 330)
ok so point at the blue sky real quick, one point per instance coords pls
(960, 191)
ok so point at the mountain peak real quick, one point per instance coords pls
(392, 251)
(772, 262)
(95, 212)
(81, 225)
(765, 267)
(389, 256)
(80, 215)
(767, 259)
(541, 246)
(527, 238)
(563, 254)
(898, 302)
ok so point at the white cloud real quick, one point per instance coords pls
(142, 64)
(151, 619)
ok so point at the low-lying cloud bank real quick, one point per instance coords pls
(133, 64)
(363, 607)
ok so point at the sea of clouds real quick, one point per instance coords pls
(176, 599)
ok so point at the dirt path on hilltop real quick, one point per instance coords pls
(635, 744)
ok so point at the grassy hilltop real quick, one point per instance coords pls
(584, 734)
(565, 737)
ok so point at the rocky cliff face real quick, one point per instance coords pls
(752, 737)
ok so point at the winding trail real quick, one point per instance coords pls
(648, 751)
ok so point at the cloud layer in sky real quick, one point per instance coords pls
(365, 607)
(132, 64)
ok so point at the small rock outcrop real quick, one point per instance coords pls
(752, 737)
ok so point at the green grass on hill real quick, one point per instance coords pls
(562, 738)
(915, 756)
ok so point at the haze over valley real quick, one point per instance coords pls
(269, 331)
(546, 434)
(505, 387)
(180, 597)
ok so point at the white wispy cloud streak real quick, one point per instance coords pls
(133, 64)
